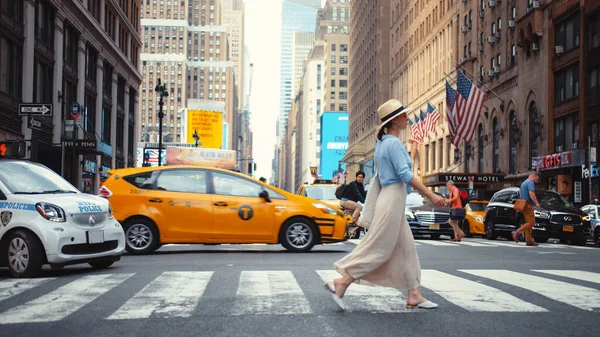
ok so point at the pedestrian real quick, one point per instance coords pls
(457, 212)
(387, 256)
(354, 195)
(528, 195)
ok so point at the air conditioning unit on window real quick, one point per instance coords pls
(497, 35)
(535, 47)
(491, 73)
(492, 3)
(491, 39)
(559, 50)
(535, 4)
(511, 24)
(497, 69)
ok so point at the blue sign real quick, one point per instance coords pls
(75, 110)
(334, 142)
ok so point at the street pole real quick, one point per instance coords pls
(162, 91)
(590, 175)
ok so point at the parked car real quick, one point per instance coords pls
(556, 218)
(424, 218)
(473, 223)
(594, 216)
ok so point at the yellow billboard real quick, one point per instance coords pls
(225, 159)
(208, 125)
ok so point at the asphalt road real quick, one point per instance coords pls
(496, 288)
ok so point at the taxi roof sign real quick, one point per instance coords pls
(322, 181)
(12, 149)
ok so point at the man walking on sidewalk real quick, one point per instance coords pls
(528, 194)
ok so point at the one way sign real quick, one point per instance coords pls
(34, 123)
(35, 110)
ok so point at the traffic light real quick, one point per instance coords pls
(12, 149)
(249, 167)
(254, 166)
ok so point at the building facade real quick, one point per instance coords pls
(186, 46)
(303, 45)
(78, 56)
(369, 63)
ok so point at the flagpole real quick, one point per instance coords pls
(483, 84)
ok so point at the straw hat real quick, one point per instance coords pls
(390, 110)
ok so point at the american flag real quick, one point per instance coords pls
(469, 101)
(432, 118)
(423, 124)
(414, 131)
(452, 122)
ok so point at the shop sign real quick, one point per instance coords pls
(562, 159)
(104, 171)
(89, 166)
(585, 171)
(464, 178)
(577, 191)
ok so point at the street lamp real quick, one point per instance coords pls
(196, 137)
(162, 92)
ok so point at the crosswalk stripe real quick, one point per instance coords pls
(511, 244)
(270, 292)
(437, 243)
(63, 301)
(473, 244)
(575, 295)
(473, 296)
(10, 288)
(574, 274)
(366, 298)
(172, 294)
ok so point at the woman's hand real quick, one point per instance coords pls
(437, 200)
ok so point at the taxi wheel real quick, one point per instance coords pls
(25, 254)
(597, 238)
(141, 236)
(298, 235)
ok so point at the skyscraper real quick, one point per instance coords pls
(297, 16)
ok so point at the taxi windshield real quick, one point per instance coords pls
(321, 192)
(28, 178)
(477, 206)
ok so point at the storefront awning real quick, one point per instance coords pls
(88, 147)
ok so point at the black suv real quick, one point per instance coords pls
(424, 218)
(556, 218)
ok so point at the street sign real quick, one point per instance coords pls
(75, 110)
(44, 110)
(34, 123)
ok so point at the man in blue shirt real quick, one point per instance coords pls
(528, 194)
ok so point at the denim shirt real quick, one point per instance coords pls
(393, 162)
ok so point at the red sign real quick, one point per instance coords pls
(555, 160)
(3, 149)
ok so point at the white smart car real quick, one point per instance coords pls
(46, 220)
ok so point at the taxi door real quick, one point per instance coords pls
(240, 214)
(185, 204)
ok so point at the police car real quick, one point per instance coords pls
(45, 220)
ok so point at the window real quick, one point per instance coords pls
(106, 124)
(344, 71)
(566, 84)
(499, 24)
(594, 23)
(343, 107)
(318, 77)
(14, 9)
(91, 58)
(433, 156)
(141, 180)
(467, 157)
(513, 54)
(343, 95)
(593, 87)
(189, 181)
(332, 58)
(71, 45)
(107, 80)
(332, 107)
(226, 184)
(496, 144)
(333, 47)
(44, 23)
(480, 149)
(514, 12)
(534, 122)
(43, 81)
(333, 83)
(332, 70)
(567, 33)
(332, 95)
(343, 83)
(11, 64)
(344, 47)
(512, 142)
(344, 59)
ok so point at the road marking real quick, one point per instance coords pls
(367, 298)
(437, 243)
(575, 274)
(474, 296)
(63, 301)
(10, 288)
(473, 244)
(577, 296)
(270, 292)
(172, 294)
(511, 245)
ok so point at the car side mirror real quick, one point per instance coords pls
(265, 195)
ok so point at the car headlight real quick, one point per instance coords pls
(51, 212)
(326, 209)
(585, 218)
(540, 214)
(410, 215)
(478, 219)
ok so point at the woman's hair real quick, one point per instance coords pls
(381, 131)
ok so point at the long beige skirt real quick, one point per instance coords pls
(387, 255)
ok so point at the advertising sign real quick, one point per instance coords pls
(565, 184)
(334, 142)
(151, 157)
(207, 125)
(225, 159)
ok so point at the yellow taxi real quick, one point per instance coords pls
(323, 190)
(473, 223)
(207, 205)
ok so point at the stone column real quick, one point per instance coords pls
(113, 119)
(102, 15)
(28, 63)
(59, 40)
(126, 126)
(81, 100)
(98, 121)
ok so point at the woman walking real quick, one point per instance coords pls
(387, 256)
(457, 212)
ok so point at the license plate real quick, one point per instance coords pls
(434, 226)
(567, 228)
(95, 236)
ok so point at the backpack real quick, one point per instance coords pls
(341, 191)
(464, 198)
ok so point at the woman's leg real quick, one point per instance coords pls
(415, 297)
(341, 284)
(458, 233)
